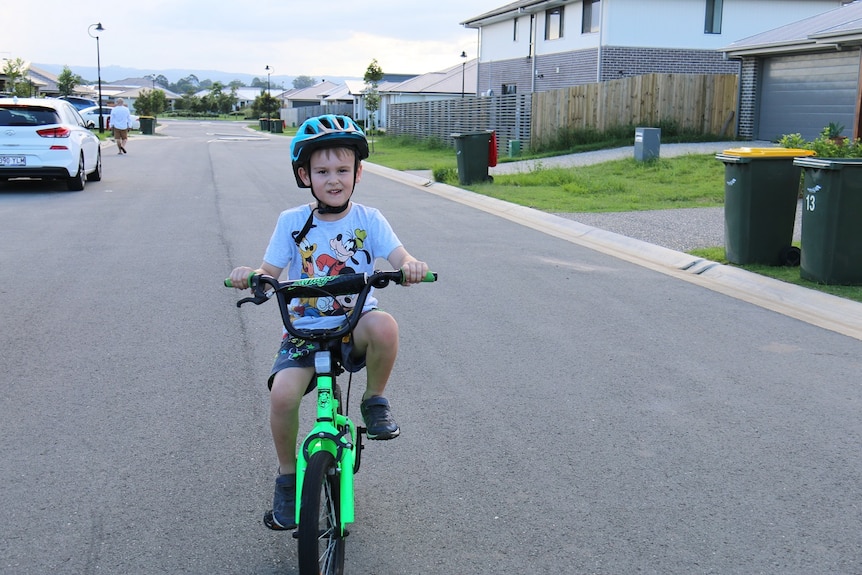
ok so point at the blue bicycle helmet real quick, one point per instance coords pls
(328, 131)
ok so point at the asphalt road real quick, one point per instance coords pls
(562, 410)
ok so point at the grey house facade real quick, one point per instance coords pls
(801, 77)
(539, 45)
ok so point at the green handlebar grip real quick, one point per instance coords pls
(430, 277)
(228, 283)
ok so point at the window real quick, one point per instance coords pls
(515, 31)
(554, 23)
(713, 16)
(510, 89)
(592, 16)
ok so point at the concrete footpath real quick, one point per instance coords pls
(684, 227)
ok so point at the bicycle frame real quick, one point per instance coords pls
(332, 432)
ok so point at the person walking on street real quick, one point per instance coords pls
(121, 121)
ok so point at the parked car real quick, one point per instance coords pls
(91, 117)
(78, 102)
(47, 138)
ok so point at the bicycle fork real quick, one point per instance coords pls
(332, 432)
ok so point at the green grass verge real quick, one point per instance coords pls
(693, 181)
(785, 274)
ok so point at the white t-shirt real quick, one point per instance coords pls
(349, 245)
(121, 119)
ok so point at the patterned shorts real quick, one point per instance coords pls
(296, 352)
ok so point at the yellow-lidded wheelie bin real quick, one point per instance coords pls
(761, 191)
(831, 218)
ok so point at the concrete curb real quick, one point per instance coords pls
(827, 311)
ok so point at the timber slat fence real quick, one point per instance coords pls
(703, 103)
(508, 115)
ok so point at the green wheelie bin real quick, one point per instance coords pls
(473, 159)
(831, 217)
(761, 191)
(148, 125)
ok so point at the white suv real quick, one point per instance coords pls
(47, 138)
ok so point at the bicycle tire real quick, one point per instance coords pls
(320, 543)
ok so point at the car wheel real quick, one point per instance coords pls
(96, 175)
(76, 182)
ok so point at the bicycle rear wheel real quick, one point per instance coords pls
(321, 545)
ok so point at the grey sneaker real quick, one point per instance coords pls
(282, 516)
(378, 418)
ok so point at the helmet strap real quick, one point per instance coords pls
(325, 209)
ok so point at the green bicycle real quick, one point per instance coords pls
(330, 454)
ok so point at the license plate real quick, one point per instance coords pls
(12, 161)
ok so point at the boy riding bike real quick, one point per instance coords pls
(330, 236)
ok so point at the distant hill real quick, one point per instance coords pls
(114, 73)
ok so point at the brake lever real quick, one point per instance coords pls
(257, 299)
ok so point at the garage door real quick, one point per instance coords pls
(804, 93)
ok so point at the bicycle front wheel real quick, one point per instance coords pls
(321, 545)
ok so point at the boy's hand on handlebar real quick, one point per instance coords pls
(414, 272)
(239, 277)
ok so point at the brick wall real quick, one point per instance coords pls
(557, 71)
(618, 62)
(748, 76)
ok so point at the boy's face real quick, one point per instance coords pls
(331, 175)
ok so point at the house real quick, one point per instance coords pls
(801, 77)
(312, 96)
(128, 89)
(454, 82)
(245, 96)
(538, 45)
(40, 82)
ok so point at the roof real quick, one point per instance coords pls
(313, 93)
(506, 11)
(447, 81)
(827, 31)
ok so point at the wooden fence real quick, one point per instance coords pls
(703, 103)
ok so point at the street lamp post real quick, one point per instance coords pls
(99, 28)
(463, 64)
(268, 93)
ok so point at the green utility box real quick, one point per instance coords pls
(148, 125)
(472, 152)
(831, 217)
(514, 148)
(761, 191)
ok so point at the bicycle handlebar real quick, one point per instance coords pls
(327, 286)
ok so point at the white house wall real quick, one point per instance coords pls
(680, 23)
(635, 37)
(647, 24)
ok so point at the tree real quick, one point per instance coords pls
(218, 101)
(150, 103)
(187, 85)
(264, 104)
(373, 75)
(14, 72)
(67, 81)
(303, 82)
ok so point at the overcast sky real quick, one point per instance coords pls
(316, 38)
